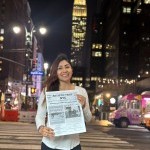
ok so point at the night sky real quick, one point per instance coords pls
(56, 15)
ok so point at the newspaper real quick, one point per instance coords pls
(65, 113)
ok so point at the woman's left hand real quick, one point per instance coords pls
(46, 131)
(82, 100)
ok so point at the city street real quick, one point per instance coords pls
(24, 136)
(99, 50)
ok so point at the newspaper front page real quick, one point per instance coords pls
(65, 113)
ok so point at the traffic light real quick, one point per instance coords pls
(28, 41)
(33, 90)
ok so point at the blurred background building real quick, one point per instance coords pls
(117, 40)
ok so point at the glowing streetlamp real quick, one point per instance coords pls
(16, 29)
(46, 65)
(28, 50)
(42, 30)
(108, 95)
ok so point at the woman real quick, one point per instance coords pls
(60, 79)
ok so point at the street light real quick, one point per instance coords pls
(42, 30)
(28, 51)
(45, 68)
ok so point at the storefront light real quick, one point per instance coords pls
(147, 115)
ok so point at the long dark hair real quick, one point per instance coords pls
(52, 82)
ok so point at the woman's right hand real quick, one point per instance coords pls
(46, 131)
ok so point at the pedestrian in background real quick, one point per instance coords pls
(60, 79)
(97, 114)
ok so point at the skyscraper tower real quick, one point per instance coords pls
(79, 18)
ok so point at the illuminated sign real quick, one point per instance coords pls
(36, 72)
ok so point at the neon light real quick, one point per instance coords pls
(147, 98)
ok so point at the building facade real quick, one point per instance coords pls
(12, 47)
(18, 51)
(125, 45)
(77, 54)
(116, 47)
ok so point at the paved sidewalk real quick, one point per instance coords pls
(100, 122)
(24, 136)
(93, 122)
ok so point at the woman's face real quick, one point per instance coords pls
(64, 71)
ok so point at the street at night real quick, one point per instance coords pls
(24, 136)
(66, 62)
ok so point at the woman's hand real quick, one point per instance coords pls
(82, 100)
(46, 131)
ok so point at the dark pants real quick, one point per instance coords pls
(44, 147)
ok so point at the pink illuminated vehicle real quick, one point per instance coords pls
(146, 110)
(131, 109)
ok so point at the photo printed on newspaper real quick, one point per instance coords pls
(65, 113)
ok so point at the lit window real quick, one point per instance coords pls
(126, 10)
(147, 1)
(138, 11)
(100, 46)
(93, 46)
(127, 1)
(107, 54)
(96, 46)
(0, 65)
(97, 54)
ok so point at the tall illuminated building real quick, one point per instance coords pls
(78, 50)
(79, 18)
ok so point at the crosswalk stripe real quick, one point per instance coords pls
(27, 138)
(19, 146)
